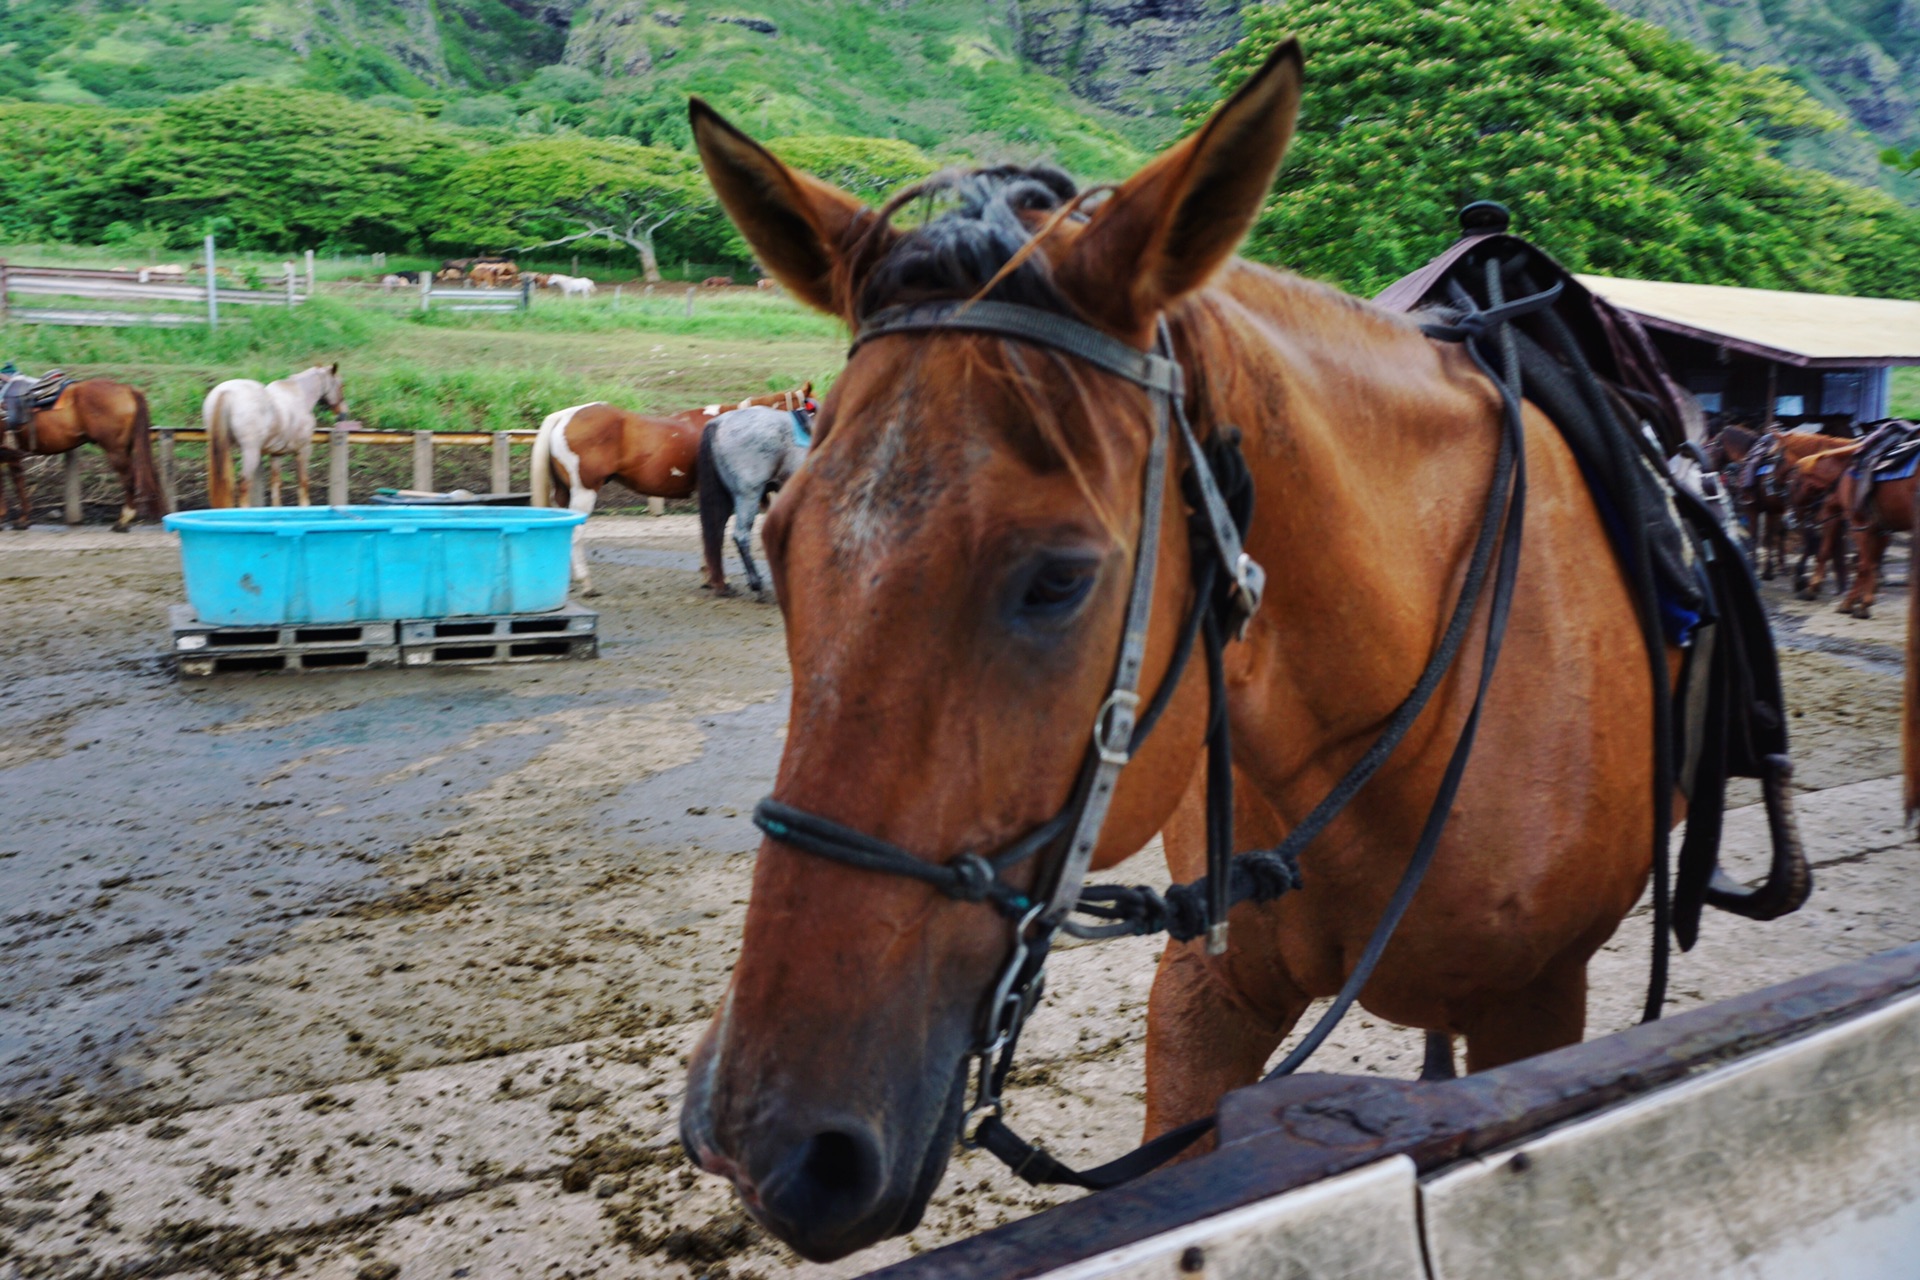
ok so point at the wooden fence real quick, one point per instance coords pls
(203, 299)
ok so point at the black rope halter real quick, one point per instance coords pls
(1227, 586)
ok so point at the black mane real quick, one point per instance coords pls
(954, 254)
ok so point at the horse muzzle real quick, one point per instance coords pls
(815, 1174)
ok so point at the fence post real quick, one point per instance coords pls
(337, 443)
(656, 506)
(76, 512)
(423, 461)
(291, 298)
(426, 290)
(309, 272)
(213, 290)
(6, 310)
(502, 462)
(526, 292)
(164, 467)
(689, 302)
(616, 297)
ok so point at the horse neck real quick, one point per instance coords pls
(1371, 449)
(307, 386)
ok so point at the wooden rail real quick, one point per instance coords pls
(339, 442)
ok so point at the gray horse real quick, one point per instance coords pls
(743, 455)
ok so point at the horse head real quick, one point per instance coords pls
(332, 393)
(953, 564)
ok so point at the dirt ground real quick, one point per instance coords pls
(394, 973)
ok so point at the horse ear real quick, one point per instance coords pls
(798, 226)
(336, 368)
(1170, 226)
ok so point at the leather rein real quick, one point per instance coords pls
(1227, 587)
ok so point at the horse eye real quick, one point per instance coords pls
(1056, 588)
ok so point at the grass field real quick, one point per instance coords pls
(1906, 394)
(408, 371)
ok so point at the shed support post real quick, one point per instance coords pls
(338, 493)
(423, 461)
(76, 512)
(426, 290)
(502, 478)
(309, 273)
(165, 469)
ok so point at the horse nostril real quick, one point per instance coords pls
(830, 1178)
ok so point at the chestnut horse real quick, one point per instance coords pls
(1887, 510)
(954, 563)
(1819, 507)
(110, 414)
(578, 449)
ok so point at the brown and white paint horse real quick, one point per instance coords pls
(579, 448)
(953, 564)
(98, 411)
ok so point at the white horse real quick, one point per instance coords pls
(271, 419)
(571, 286)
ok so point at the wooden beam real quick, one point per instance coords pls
(502, 477)
(423, 461)
(338, 442)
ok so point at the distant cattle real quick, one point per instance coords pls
(767, 283)
(717, 282)
(162, 273)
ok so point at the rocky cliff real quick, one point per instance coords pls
(1138, 57)
(1859, 56)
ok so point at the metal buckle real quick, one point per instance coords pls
(1249, 584)
(1113, 724)
(1007, 1011)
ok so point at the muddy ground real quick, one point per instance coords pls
(335, 974)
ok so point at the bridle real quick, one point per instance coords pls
(1227, 587)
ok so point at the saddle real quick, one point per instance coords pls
(1891, 451)
(1593, 370)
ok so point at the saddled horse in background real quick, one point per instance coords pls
(579, 448)
(96, 411)
(955, 564)
(1875, 513)
(1761, 464)
(1818, 506)
(266, 420)
(744, 456)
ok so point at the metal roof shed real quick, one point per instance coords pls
(1765, 355)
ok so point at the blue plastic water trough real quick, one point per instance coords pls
(255, 566)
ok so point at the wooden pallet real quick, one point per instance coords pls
(466, 653)
(568, 620)
(201, 649)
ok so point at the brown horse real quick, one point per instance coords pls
(1818, 506)
(110, 414)
(954, 563)
(579, 449)
(1886, 510)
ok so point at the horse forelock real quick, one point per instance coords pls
(955, 254)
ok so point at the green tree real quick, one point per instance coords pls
(1619, 148)
(59, 171)
(870, 168)
(290, 168)
(561, 190)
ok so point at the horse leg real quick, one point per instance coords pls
(581, 500)
(1213, 1021)
(122, 464)
(301, 457)
(745, 508)
(1548, 1013)
(12, 464)
(249, 475)
(1877, 541)
(273, 478)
